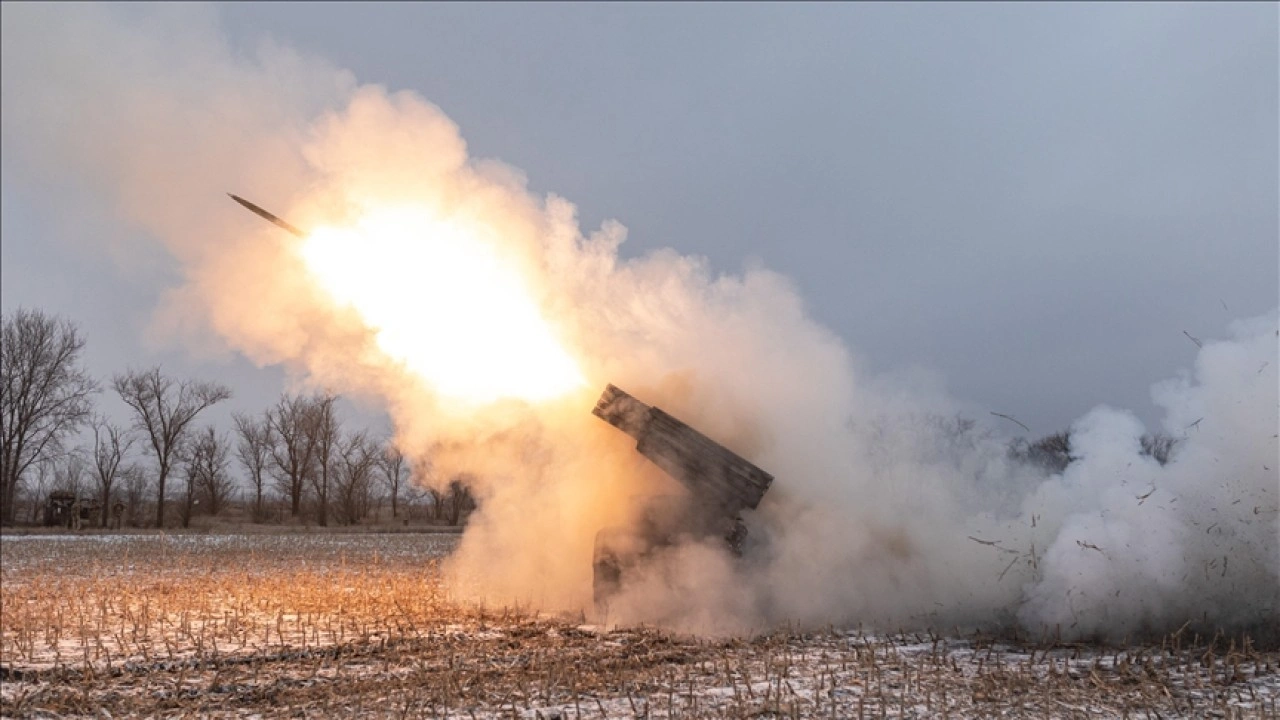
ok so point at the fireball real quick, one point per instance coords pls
(441, 297)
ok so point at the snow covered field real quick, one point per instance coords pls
(323, 625)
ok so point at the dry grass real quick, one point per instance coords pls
(362, 626)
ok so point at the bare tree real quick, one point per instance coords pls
(253, 448)
(111, 443)
(1158, 446)
(293, 446)
(211, 452)
(71, 478)
(326, 429)
(70, 474)
(191, 475)
(45, 397)
(459, 501)
(38, 492)
(412, 499)
(163, 410)
(135, 492)
(204, 464)
(394, 472)
(1051, 452)
(353, 480)
(423, 488)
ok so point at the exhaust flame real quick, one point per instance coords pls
(444, 301)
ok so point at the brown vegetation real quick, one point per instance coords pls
(332, 625)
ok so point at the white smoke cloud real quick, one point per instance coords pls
(885, 510)
(1142, 546)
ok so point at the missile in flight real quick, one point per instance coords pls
(268, 216)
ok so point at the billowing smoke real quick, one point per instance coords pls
(487, 323)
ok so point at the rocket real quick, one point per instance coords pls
(267, 216)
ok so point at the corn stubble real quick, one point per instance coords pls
(309, 627)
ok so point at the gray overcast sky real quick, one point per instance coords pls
(1034, 201)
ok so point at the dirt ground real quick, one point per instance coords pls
(333, 625)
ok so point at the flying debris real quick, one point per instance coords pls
(721, 485)
(267, 216)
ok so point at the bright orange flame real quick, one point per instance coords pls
(443, 299)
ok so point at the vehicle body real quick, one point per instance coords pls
(720, 483)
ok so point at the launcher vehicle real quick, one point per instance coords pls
(721, 485)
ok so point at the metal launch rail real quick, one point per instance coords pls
(720, 482)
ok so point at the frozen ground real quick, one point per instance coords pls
(360, 625)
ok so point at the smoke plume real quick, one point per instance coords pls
(886, 509)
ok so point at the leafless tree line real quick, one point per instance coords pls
(1054, 452)
(297, 450)
(301, 447)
